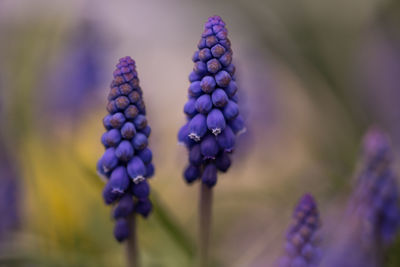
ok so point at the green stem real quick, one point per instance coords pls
(132, 259)
(205, 211)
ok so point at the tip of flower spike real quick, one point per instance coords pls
(307, 199)
(375, 142)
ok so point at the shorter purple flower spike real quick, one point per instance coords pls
(211, 107)
(301, 248)
(127, 162)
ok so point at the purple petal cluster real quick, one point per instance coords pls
(127, 161)
(301, 248)
(375, 199)
(212, 112)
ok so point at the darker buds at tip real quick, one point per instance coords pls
(193, 76)
(117, 120)
(205, 54)
(203, 104)
(111, 138)
(195, 89)
(207, 84)
(140, 122)
(200, 68)
(222, 78)
(128, 130)
(219, 98)
(124, 151)
(107, 122)
(131, 112)
(139, 141)
(146, 131)
(121, 102)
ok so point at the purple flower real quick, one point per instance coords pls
(10, 195)
(373, 215)
(211, 110)
(375, 199)
(301, 248)
(127, 161)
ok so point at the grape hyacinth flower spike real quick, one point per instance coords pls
(375, 199)
(213, 118)
(376, 194)
(373, 215)
(126, 163)
(301, 248)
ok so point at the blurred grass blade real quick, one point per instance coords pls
(171, 226)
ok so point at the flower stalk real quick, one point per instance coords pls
(205, 218)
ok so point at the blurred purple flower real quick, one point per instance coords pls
(77, 73)
(379, 78)
(9, 196)
(373, 217)
(213, 119)
(375, 199)
(127, 162)
(301, 248)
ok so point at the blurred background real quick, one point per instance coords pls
(313, 76)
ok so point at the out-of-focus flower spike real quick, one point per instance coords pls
(301, 248)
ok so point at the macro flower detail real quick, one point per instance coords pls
(127, 161)
(375, 199)
(301, 238)
(213, 119)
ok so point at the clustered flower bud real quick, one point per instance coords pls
(301, 248)
(213, 119)
(375, 199)
(127, 161)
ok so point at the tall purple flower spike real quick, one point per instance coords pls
(127, 162)
(301, 248)
(213, 119)
(375, 199)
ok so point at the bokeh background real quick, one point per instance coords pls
(313, 76)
